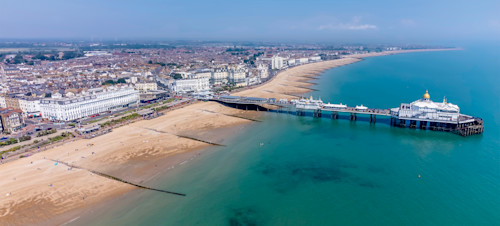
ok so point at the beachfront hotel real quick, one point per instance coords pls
(191, 85)
(277, 62)
(91, 102)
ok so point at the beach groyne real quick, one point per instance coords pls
(118, 179)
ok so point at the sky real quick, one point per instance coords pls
(378, 21)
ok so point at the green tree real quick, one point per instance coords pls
(18, 59)
(108, 82)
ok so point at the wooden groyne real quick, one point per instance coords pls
(235, 116)
(182, 136)
(118, 179)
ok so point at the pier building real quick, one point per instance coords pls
(426, 109)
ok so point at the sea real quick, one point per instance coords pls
(292, 170)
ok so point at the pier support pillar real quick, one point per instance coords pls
(335, 115)
(413, 124)
(317, 113)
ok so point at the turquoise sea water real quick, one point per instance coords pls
(336, 172)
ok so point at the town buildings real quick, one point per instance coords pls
(43, 86)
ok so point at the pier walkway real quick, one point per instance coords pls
(464, 125)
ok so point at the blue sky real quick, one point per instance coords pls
(323, 21)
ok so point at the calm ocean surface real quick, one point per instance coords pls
(336, 172)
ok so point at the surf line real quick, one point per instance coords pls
(118, 179)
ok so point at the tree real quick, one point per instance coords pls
(108, 82)
(48, 95)
(40, 56)
(71, 54)
(18, 59)
(121, 80)
(150, 62)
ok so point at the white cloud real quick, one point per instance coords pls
(353, 25)
(347, 27)
(407, 22)
(361, 27)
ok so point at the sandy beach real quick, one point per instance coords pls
(37, 190)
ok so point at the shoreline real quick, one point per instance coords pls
(37, 191)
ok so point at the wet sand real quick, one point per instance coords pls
(35, 190)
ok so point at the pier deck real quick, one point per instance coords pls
(465, 125)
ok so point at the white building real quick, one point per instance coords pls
(237, 76)
(191, 85)
(204, 73)
(30, 106)
(276, 62)
(96, 53)
(314, 58)
(220, 76)
(3, 104)
(426, 109)
(93, 102)
(263, 71)
(303, 60)
(146, 86)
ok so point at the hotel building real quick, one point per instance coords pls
(191, 85)
(276, 62)
(92, 102)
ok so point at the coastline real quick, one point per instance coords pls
(41, 191)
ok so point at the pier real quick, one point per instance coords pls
(404, 117)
